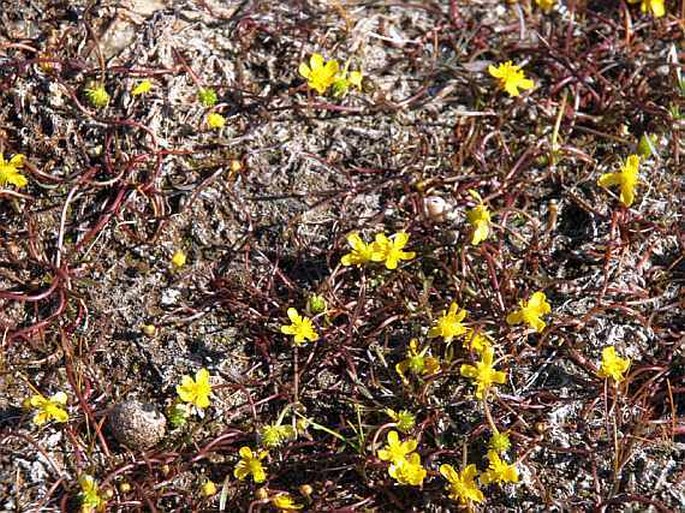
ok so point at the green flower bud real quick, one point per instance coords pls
(316, 304)
(647, 145)
(207, 97)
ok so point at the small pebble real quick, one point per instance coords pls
(137, 425)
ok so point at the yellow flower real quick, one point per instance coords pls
(546, 5)
(511, 78)
(627, 178)
(499, 471)
(97, 96)
(49, 409)
(499, 442)
(274, 435)
(149, 330)
(302, 328)
(613, 366)
(655, 7)
(91, 500)
(397, 451)
(320, 75)
(361, 251)
(477, 341)
(208, 488)
(9, 171)
(250, 464)
(462, 486)
(484, 373)
(390, 250)
(215, 120)
(449, 325)
(479, 218)
(530, 312)
(142, 87)
(196, 391)
(408, 471)
(417, 362)
(178, 260)
(284, 503)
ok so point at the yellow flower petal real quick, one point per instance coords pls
(515, 317)
(316, 61)
(60, 415)
(468, 371)
(495, 71)
(331, 68)
(40, 418)
(448, 472)
(59, 398)
(626, 197)
(17, 160)
(241, 471)
(304, 70)
(480, 233)
(293, 315)
(609, 179)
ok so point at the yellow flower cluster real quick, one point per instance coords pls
(462, 486)
(405, 464)
(178, 259)
(215, 120)
(483, 373)
(92, 499)
(530, 312)
(479, 217)
(511, 78)
(9, 171)
(546, 5)
(196, 391)
(284, 503)
(301, 328)
(250, 465)
(613, 366)
(208, 488)
(52, 408)
(626, 179)
(322, 75)
(449, 324)
(389, 250)
(654, 7)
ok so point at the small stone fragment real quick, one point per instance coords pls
(436, 208)
(137, 425)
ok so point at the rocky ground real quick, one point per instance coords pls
(92, 305)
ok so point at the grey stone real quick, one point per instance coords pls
(137, 425)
